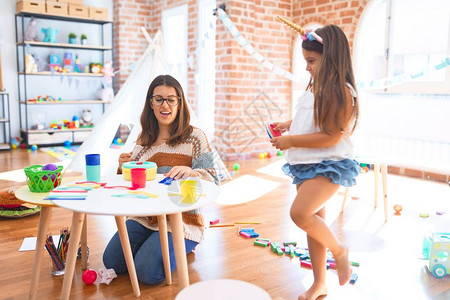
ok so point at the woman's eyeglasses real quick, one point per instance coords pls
(171, 100)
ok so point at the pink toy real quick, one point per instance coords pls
(270, 128)
(89, 276)
(214, 222)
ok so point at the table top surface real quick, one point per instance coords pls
(24, 194)
(164, 199)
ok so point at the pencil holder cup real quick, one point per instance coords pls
(57, 266)
(188, 191)
(42, 181)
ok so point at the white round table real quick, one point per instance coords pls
(164, 200)
(223, 289)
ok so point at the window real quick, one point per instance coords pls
(206, 75)
(174, 27)
(400, 39)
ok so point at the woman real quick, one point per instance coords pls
(180, 151)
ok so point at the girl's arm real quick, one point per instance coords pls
(320, 139)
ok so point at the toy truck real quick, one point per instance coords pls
(436, 248)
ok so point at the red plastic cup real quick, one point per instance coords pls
(138, 177)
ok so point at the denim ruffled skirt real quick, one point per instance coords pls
(341, 172)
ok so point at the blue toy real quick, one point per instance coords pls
(67, 144)
(436, 248)
(50, 34)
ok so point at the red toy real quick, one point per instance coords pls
(270, 128)
(89, 276)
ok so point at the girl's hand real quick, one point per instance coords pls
(281, 142)
(179, 172)
(123, 158)
(282, 126)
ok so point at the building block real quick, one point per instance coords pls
(248, 230)
(244, 234)
(305, 264)
(260, 243)
(353, 278)
(290, 243)
(214, 222)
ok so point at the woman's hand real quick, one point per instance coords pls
(180, 172)
(282, 142)
(123, 158)
(282, 126)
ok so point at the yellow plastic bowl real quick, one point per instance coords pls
(150, 166)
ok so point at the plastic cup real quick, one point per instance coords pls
(56, 267)
(93, 167)
(138, 177)
(188, 191)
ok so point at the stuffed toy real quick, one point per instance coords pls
(30, 64)
(11, 207)
(30, 31)
(86, 118)
(50, 34)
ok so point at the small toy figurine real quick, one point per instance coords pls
(50, 34)
(30, 31)
(30, 64)
(77, 65)
(86, 118)
(54, 61)
(68, 61)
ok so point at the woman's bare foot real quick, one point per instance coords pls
(314, 292)
(342, 266)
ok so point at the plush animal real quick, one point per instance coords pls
(106, 94)
(30, 31)
(86, 118)
(50, 34)
(30, 64)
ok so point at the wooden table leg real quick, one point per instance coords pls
(44, 219)
(126, 248)
(180, 249)
(384, 172)
(84, 255)
(376, 172)
(75, 234)
(344, 201)
(162, 224)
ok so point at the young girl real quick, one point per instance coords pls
(319, 150)
(180, 151)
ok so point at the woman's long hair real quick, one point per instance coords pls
(179, 130)
(330, 79)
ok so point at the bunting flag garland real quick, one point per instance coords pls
(373, 84)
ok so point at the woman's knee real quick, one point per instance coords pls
(300, 217)
(148, 275)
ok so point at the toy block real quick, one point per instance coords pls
(304, 257)
(355, 264)
(279, 251)
(353, 278)
(305, 264)
(290, 243)
(248, 230)
(330, 260)
(261, 244)
(214, 222)
(261, 239)
(244, 234)
(287, 251)
(296, 252)
(254, 235)
(332, 265)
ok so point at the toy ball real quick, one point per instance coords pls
(236, 166)
(269, 155)
(67, 144)
(398, 208)
(14, 146)
(89, 276)
(33, 147)
(119, 141)
(261, 155)
(50, 167)
(280, 153)
(23, 146)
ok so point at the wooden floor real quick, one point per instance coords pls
(388, 253)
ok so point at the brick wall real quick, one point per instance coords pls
(247, 94)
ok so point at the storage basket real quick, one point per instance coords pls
(42, 181)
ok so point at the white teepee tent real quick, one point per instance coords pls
(126, 109)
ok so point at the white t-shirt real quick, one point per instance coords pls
(303, 123)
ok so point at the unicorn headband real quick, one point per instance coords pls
(305, 33)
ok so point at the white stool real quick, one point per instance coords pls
(222, 289)
(377, 167)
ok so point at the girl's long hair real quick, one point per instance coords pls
(331, 76)
(179, 130)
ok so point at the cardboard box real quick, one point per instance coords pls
(57, 8)
(76, 10)
(35, 6)
(98, 13)
(78, 2)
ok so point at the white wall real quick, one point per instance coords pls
(9, 67)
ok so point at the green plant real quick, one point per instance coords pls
(83, 37)
(72, 35)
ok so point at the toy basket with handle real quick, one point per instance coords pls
(42, 181)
